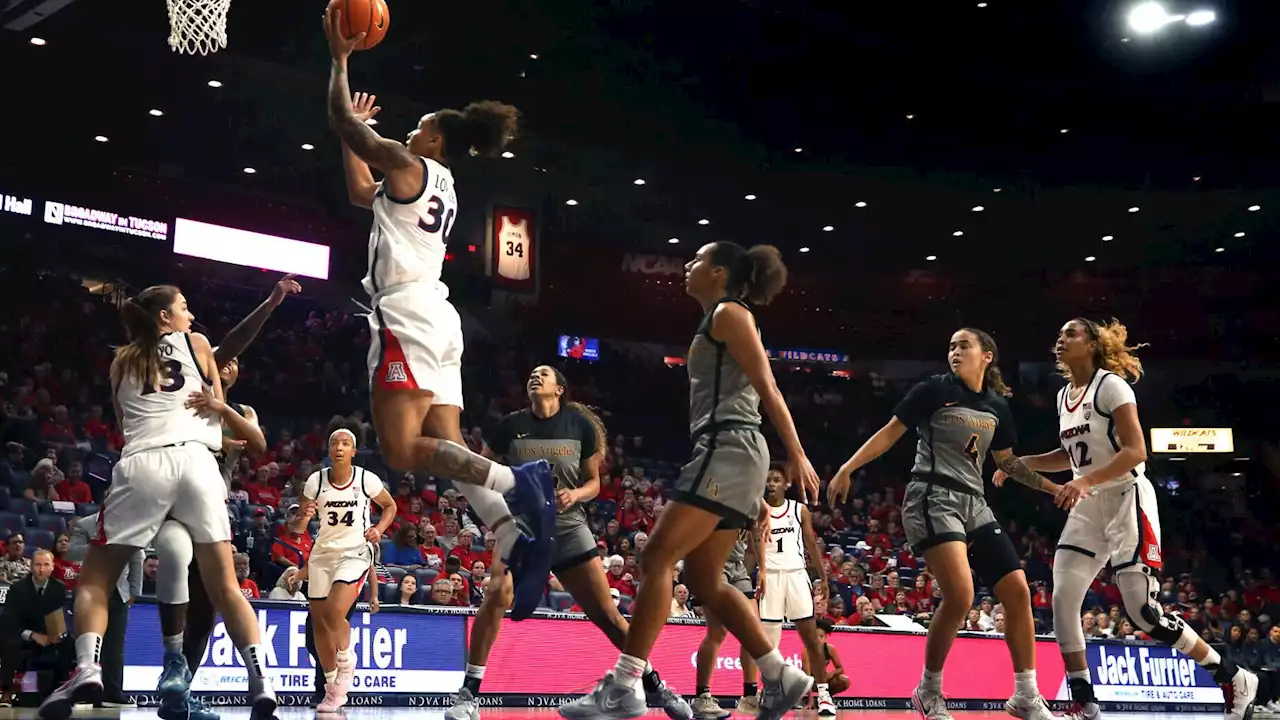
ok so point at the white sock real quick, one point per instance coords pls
(88, 649)
(771, 665)
(330, 677)
(1211, 658)
(1024, 683)
(823, 688)
(629, 670)
(492, 507)
(173, 644)
(500, 479)
(1078, 674)
(475, 671)
(252, 657)
(931, 680)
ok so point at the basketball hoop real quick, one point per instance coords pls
(198, 26)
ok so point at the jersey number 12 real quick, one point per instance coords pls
(1080, 455)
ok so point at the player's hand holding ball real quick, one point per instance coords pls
(355, 25)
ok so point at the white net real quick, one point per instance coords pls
(198, 26)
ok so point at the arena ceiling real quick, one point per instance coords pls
(862, 130)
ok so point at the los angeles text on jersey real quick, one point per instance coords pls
(968, 420)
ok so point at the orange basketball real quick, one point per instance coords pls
(364, 16)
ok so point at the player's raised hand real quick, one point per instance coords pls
(364, 106)
(285, 287)
(340, 46)
(801, 471)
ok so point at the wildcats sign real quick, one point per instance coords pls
(652, 265)
(1126, 673)
(1192, 440)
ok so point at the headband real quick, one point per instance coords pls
(343, 431)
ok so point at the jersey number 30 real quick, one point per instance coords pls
(348, 518)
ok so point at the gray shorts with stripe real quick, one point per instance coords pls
(933, 514)
(726, 475)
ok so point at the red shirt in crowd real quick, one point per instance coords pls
(262, 494)
(288, 546)
(95, 429)
(250, 589)
(435, 551)
(66, 571)
(76, 491)
(622, 585)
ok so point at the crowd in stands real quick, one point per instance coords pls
(309, 364)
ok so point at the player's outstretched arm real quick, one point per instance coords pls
(240, 337)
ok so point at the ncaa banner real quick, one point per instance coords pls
(513, 248)
(1147, 674)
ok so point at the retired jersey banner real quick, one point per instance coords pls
(512, 247)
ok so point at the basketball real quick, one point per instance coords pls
(364, 16)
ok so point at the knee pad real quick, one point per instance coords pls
(773, 631)
(1139, 591)
(1072, 574)
(174, 551)
(992, 555)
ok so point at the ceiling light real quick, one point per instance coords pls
(1108, 238)
(978, 208)
(249, 171)
(508, 154)
(673, 241)
(100, 138)
(860, 203)
(958, 233)
(1090, 259)
(704, 221)
(639, 181)
(799, 150)
(1239, 234)
(1201, 17)
(930, 258)
(804, 249)
(996, 189)
(215, 83)
(911, 117)
(1195, 179)
(38, 42)
(156, 113)
(1064, 131)
(1219, 250)
(308, 146)
(570, 202)
(1133, 209)
(1255, 208)
(827, 228)
(533, 56)
(1124, 39)
(1148, 17)
(982, 5)
(749, 197)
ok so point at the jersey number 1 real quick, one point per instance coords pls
(172, 380)
(347, 519)
(1080, 456)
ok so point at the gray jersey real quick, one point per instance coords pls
(563, 440)
(735, 568)
(720, 395)
(956, 427)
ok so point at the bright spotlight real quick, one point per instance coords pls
(1200, 18)
(1148, 17)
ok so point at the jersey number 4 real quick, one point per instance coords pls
(971, 450)
(172, 380)
(348, 518)
(1080, 455)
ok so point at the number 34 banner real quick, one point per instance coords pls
(513, 236)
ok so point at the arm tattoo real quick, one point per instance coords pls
(1020, 473)
(455, 462)
(359, 137)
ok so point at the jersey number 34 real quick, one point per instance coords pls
(348, 518)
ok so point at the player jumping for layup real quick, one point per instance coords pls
(1114, 517)
(415, 359)
(785, 591)
(718, 492)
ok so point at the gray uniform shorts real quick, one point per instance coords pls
(726, 475)
(933, 514)
(575, 543)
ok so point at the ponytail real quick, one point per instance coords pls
(140, 315)
(480, 129)
(1113, 352)
(992, 378)
(756, 275)
(602, 437)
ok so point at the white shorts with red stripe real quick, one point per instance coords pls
(182, 482)
(324, 569)
(1120, 524)
(416, 343)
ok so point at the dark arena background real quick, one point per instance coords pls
(922, 167)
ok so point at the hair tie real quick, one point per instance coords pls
(342, 431)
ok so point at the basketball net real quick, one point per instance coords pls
(198, 26)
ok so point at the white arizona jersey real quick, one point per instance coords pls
(407, 242)
(154, 418)
(343, 510)
(1086, 428)
(786, 536)
(514, 248)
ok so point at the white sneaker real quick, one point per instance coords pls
(1028, 708)
(465, 707)
(930, 704)
(85, 686)
(826, 706)
(1086, 711)
(1244, 690)
(332, 701)
(779, 696)
(749, 705)
(706, 707)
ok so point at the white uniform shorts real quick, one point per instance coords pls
(342, 566)
(416, 343)
(1120, 524)
(788, 595)
(182, 482)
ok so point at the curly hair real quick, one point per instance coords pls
(1112, 350)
